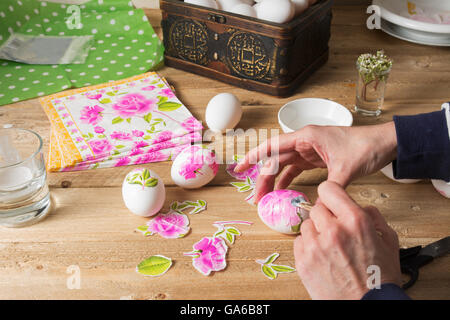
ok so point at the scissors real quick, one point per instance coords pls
(412, 259)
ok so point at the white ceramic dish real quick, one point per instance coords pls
(302, 112)
(388, 172)
(442, 187)
(395, 11)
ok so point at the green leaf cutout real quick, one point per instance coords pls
(168, 106)
(233, 231)
(145, 174)
(117, 120)
(272, 258)
(151, 183)
(148, 117)
(154, 266)
(282, 269)
(162, 99)
(269, 272)
(230, 238)
(106, 100)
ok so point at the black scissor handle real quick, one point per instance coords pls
(410, 266)
(413, 274)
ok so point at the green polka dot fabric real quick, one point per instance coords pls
(125, 45)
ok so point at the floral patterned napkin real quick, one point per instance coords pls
(131, 121)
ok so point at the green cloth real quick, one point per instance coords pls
(125, 45)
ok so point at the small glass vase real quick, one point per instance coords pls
(370, 92)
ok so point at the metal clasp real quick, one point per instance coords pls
(217, 18)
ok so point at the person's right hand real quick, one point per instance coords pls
(347, 152)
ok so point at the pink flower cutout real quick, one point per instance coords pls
(91, 115)
(169, 225)
(100, 146)
(209, 255)
(192, 124)
(117, 135)
(252, 173)
(133, 104)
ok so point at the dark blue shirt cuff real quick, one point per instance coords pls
(423, 147)
(388, 291)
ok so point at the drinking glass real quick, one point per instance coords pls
(24, 194)
(370, 92)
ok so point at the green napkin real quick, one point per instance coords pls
(125, 45)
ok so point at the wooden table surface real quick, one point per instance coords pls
(90, 227)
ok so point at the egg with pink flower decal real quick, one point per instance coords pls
(194, 167)
(279, 214)
(143, 192)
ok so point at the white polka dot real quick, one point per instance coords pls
(100, 1)
(108, 35)
(98, 17)
(121, 38)
(1, 95)
(144, 18)
(112, 21)
(82, 73)
(100, 41)
(119, 73)
(105, 69)
(148, 43)
(11, 87)
(114, 45)
(96, 77)
(127, 48)
(18, 23)
(40, 94)
(65, 86)
(90, 66)
(134, 40)
(94, 31)
(68, 70)
(98, 58)
(73, 80)
(25, 89)
(140, 32)
(55, 14)
(45, 74)
(50, 83)
(22, 78)
(127, 65)
(15, 99)
(18, 67)
(149, 61)
(93, 48)
(43, 3)
(141, 50)
(134, 58)
(38, 25)
(120, 54)
(83, 6)
(46, 20)
(130, 13)
(87, 84)
(59, 77)
(61, 33)
(126, 28)
(31, 70)
(106, 51)
(112, 8)
(154, 35)
(11, 8)
(48, 29)
(36, 81)
(142, 68)
(63, 6)
(113, 61)
(8, 75)
(29, 30)
(19, 2)
(54, 66)
(36, 11)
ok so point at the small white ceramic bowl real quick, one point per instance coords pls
(388, 172)
(442, 187)
(302, 112)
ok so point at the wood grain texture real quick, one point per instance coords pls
(90, 227)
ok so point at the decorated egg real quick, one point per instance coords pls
(278, 11)
(277, 211)
(204, 3)
(223, 112)
(194, 167)
(442, 187)
(143, 192)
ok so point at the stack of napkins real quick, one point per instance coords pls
(131, 121)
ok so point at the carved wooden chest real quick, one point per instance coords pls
(246, 52)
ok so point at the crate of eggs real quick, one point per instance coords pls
(270, 46)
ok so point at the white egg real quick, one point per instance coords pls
(278, 11)
(223, 112)
(278, 213)
(227, 5)
(194, 167)
(388, 172)
(300, 5)
(143, 192)
(245, 10)
(442, 187)
(204, 3)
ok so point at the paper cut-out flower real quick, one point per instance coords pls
(133, 104)
(169, 225)
(209, 255)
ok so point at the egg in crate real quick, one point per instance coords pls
(244, 9)
(276, 210)
(278, 11)
(143, 192)
(194, 167)
(204, 3)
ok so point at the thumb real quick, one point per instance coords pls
(338, 177)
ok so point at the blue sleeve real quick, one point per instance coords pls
(423, 147)
(388, 291)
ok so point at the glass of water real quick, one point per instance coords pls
(24, 194)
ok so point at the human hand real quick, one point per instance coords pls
(347, 152)
(339, 242)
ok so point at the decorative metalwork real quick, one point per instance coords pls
(248, 56)
(190, 40)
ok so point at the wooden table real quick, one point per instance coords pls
(91, 228)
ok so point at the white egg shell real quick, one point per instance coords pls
(223, 112)
(278, 11)
(245, 10)
(279, 214)
(143, 192)
(300, 5)
(442, 187)
(388, 172)
(227, 5)
(194, 167)
(204, 3)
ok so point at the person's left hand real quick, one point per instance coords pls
(339, 242)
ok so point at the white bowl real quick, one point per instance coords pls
(442, 187)
(388, 172)
(394, 11)
(302, 112)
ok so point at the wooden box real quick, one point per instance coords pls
(243, 51)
